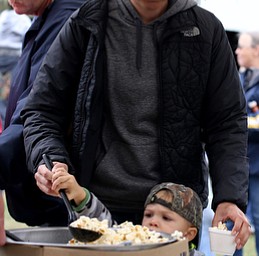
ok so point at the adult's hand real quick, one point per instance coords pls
(44, 176)
(229, 211)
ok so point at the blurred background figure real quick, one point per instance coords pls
(12, 30)
(248, 59)
(207, 217)
(1, 125)
(25, 202)
(2, 228)
(4, 94)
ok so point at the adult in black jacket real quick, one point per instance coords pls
(127, 96)
(26, 203)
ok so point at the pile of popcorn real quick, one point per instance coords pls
(91, 223)
(119, 234)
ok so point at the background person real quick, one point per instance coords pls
(26, 203)
(126, 101)
(207, 218)
(248, 58)
(12, 30)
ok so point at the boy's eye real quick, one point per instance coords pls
(167, 218)
(147, 215)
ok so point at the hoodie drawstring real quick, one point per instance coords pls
(138, 44)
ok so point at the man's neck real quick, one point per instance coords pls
(150, 10)
(42, 8)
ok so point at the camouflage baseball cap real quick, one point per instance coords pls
(185, 201)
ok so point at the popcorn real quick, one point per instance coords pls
(126, 232)
(90, 223)
(178, 235)
(221, 226)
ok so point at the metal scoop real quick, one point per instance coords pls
(80, 234)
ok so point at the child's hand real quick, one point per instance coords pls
(61, 179)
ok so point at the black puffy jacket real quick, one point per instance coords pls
(201, 101)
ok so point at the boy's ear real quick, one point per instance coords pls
(191, 233)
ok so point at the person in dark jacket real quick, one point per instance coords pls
(26, 203)
(127, 96)
(248, 58)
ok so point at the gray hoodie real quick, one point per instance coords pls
(128, 159)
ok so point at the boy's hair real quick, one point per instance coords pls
(178, 198)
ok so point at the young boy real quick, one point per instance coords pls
(168, 207)
(171, 207)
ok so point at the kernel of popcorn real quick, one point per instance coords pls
(178, 235)
(221, 226)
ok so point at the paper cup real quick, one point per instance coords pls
(222, 242)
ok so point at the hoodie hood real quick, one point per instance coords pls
(130, 14)
(174, 6)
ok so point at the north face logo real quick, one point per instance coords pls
(194, 31)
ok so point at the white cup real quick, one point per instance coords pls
(222, 241)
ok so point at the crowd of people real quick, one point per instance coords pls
(148, 88)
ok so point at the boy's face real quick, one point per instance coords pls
(159, 218)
